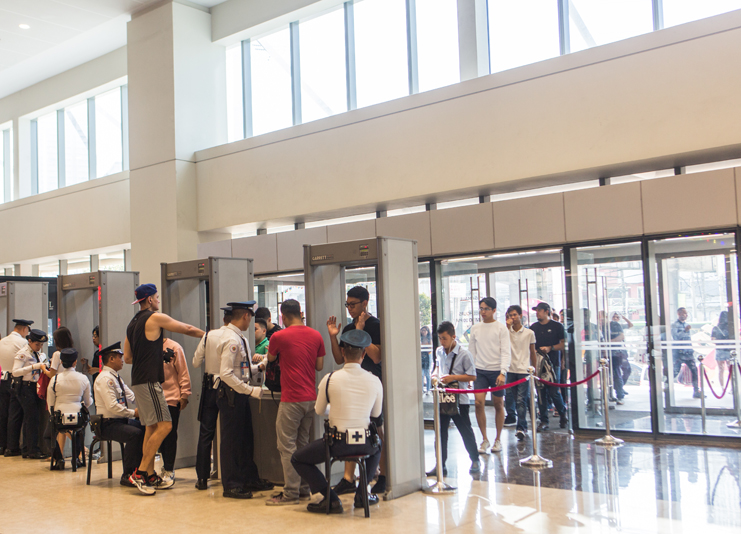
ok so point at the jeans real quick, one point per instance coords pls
(517, 398)
(555, 395)
(292, 428)
(617, 375)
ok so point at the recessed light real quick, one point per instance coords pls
(24, 26)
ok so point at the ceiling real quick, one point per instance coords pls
(61, 34)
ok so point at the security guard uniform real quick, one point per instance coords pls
(9, 347)
(24, 405)
(208, 409)
(239, 473)
(354, 396)
(115, 402)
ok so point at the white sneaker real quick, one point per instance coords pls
(167, 475)
(497, 446)
(483, 448)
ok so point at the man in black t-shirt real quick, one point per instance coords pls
(550, 339)
(357, 308)
(264, 313)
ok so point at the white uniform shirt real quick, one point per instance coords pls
(209, 353)
(9, 347)
(490, 346)
(24, 361)
(67, 391)
(521, 341)
(235, 360)
(109, 398)
(355, 396)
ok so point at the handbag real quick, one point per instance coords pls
(450, 402)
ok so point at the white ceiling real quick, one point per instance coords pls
(59, 29)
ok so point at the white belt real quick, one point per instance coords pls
(6, 375)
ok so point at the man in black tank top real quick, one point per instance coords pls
(143, 350)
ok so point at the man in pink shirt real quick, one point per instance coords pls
(301, 353)
(176, 388)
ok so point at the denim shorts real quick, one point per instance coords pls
(487, 379)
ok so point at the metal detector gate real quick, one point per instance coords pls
(194, 292)
(24, 300)
(398, 311)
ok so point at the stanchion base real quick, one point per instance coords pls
(736, 424)
(609, 441)
(440, 488)
(536, 462)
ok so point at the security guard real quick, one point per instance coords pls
(9, 347)
(208, 410)
(68, 392)
(24, 406)
(239, 476)
(355, 398)
(115, 402)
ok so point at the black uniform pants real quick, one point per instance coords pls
(24, 413)
(209, 416)
(4, 412)
(130, 433)
(237, 464)
(305, 462)
(169, 445)
(463, 424)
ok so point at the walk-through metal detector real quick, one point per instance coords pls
(24, 300)
(194, 292)
(398, 311)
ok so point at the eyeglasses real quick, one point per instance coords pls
(351, 304)
(486, 309)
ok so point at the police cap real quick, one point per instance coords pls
(37, 335)
(355, 338)
(22, 322)
(68, 356)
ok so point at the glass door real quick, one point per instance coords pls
(462, 288)
(694, 287)
(272, 290)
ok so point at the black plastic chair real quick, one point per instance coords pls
(75, 430)
(95, 422)
(359, 460)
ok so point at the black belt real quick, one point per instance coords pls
(28, 383)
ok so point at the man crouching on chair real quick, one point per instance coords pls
(356, 397)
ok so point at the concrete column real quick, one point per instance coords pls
(473, 39)
(62, 267)
(177, 104)
(35, 270)
(94, 263)
(8, 271)
(21, 270)
(127, 259)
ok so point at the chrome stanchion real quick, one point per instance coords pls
(534, 461)
(736, 391)
(607, 440)
(439, 487)
(701, 378)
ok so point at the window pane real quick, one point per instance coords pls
(75, 143)
(2, 167)
(47, 151)
(681, 11)
(380, 51)
(234, 102)
(598, 22)
(521, 33)
(108, 144)
(437, 43)
(323, 83)
(272, 107)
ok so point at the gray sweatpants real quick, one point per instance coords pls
(292, 427)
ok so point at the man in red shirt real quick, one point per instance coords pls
(301, 353)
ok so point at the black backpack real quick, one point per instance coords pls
(272, 375)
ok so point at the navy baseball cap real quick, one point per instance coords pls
(355, 338)
(144, 291)
(68, 356)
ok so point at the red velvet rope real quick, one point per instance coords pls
(711, 386)
(521, 381)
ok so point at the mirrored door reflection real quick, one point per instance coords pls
(695, 315)
(272, 290)
(609, 322)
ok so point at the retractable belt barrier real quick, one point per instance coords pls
(522, 381)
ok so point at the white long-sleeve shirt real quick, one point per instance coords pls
(489, 343)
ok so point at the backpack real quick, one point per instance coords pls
(272, 375)
(544, 369)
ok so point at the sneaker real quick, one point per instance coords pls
(125, 482)
(497, 447)
(379, 486)
(433, 472)
(510, 420)
(520, 434)
(167, 475)
(619, 402)
(358, 501)
(140, 482)
(279, 499)
(564, 421)
(475, 467)
(542, 427)
(345, 486)
(483, 448)
(335, 507)
(157, 482)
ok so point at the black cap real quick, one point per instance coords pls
(356, 338)
(244, 305)
(542, 306)
(22, 322)
(116, 347)
(37, 335)
(68, 356)
(227, 309)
